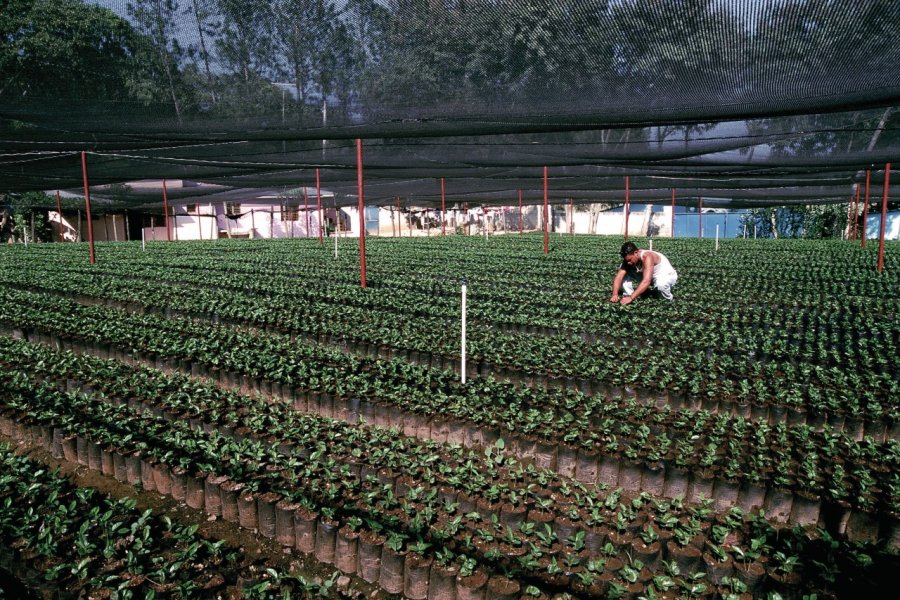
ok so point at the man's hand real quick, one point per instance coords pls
(614, 298)
(627, 300)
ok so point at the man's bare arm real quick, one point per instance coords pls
(645, 281)
(617, 285)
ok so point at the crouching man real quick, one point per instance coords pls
(642, 271)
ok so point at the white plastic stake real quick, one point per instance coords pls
(463, 358)
(754, 231)
(717, 238)
(651, 244)
(143, 243)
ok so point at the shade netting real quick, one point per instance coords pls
(752, 103)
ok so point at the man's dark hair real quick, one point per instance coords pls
(627, 248)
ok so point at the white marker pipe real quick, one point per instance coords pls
(717, 238)
(143, 244)
(463, 358)
(651, 244)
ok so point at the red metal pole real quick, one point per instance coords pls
(87, 206)
(362, 216)
(443, 209)
(673, 213)
(546, 218)
(700, 214)
(627, 201)
(59, 213)
(319, 208)
(166, 210)
(399, 217)
(866, 209)
(520, 211)
(856, 213)
(884, 206)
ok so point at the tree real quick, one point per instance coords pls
(367, 22)
(23, 216)
(664, 57)
(294, 43)
(304, 32)
(245, 41)
(802, 41)
(363, 38)
(64, 49)
(203, 13)
(339, 68)
(157, 20)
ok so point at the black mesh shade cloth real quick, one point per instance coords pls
(744, 102)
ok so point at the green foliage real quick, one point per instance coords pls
(800, 221)
(65, 48)
(19, 211)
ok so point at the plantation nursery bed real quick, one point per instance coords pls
(93, 540)
(755, 452)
